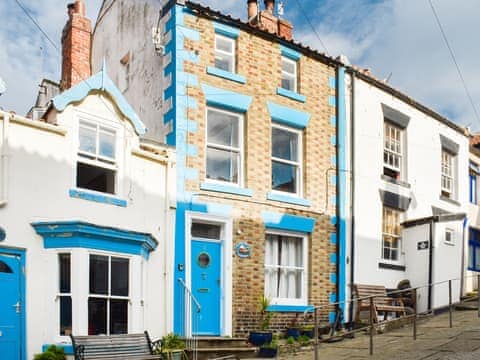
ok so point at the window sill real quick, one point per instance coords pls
(97, 197)
(451, 201)
(396, 182)
(67, 348)
(229, 189)
(389, 266)
(288, 199)
(226, 75)
(291, 94)
(290, 308)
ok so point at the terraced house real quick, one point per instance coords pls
(253, 117)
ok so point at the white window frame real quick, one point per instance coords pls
(114, 164)
(304, 298)
(289, 75)
(449, 233)
(240, 148)
(232, 55)
(447, 183)
(298, 163)
(59, 294)
(109, 296)
(389, 144)
(396, 236)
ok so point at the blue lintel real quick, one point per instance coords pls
(289, 199)
(291, 94)
(67, 348)
(228, 189)
(80, 234)
(290, 53)
(288, 222)
(100, 82)
(226, 74)
(100, 198)
(287, 116)
(226, 99)
(291, 308)
(210, 208)
(226, 30)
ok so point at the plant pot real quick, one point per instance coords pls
(293, 332)
(258, 338)
(267, 352)
(310, 333)
(172, 355)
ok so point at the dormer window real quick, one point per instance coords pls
(96, 163)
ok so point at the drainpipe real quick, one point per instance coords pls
(430, 266)
(462, 270)
(341, 188)
(4, 160)
(352, 197)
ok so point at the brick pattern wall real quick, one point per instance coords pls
(260, 61)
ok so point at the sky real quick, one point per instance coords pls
(396, 39)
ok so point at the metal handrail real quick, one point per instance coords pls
(186, 288)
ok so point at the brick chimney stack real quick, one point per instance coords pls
(76, 45)
(267, 20)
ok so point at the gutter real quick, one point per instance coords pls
(4, 160)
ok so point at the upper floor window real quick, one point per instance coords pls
(225, 53)
(391, 234)
(286, 268)
(392, 151)
(286, 160)
(96, 166)
(289, 74)
(109, 295)
(448, 179)
(224, 146)
(473, 187)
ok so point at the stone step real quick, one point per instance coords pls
(220, 352)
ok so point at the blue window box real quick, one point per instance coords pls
(291, 94)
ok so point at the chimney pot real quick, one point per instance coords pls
(252, 9)
(270, 5)
(80, 7)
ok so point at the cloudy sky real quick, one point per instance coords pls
(394, 38)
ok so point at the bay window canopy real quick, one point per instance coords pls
(79, 234)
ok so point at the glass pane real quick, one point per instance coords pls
(284, 144)
(470, 256)
(97, 316)
(224, 63)
(65, 315)
(224, 44)
(98, 274)
(119, 286)
(203, 260)
(288, 83)
(288, 66)
(88, 139)
(118, 316)
(4, 268)
(222, 129)
(222, 165)
(64, 271)
(284, 177)
(206, 231)
(107, 144)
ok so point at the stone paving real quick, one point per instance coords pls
(435, 341)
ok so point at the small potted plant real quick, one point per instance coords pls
(172, 347)
(258, 338)
(51, 353)
(293, 330)
(268, 350)
(309, 331)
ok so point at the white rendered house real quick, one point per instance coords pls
(85, 222)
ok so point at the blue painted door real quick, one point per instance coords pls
(10, 308)
(206, 287)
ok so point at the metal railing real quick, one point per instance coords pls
(190, 318)
(371, 327)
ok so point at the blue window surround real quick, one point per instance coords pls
(291, 94)
(473, 188)
(226, 30)
(225, 188)
(289, 53)
(22, 254)
(96, 197)
(79, 234)
(288, 199)
(291, 308)
(474, 244)
(278, 221)
(287, 116)
(226, 99)
(67, 348)
(226, 74)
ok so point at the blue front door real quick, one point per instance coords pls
(10, 308)
(206, 286)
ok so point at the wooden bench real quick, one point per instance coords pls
(114, 347)
(381, 302)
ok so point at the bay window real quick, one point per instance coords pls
(64, 294)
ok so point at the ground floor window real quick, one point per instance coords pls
(474, 250)
(285, 268)
(64, 294)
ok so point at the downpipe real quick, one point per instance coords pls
(4, 160)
